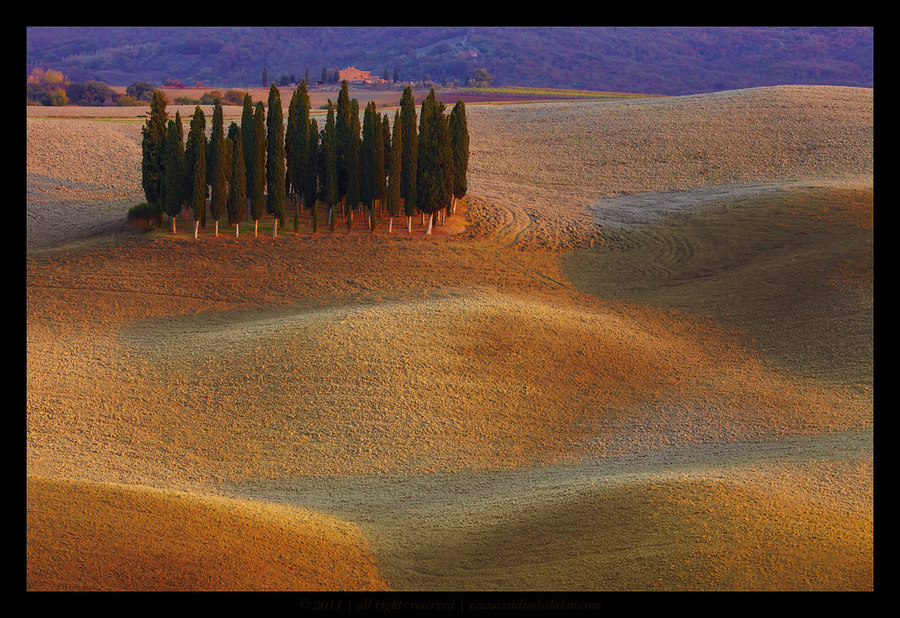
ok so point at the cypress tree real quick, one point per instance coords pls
(327, 164)
(393, 189)
(195, 167)
(173, 158)
(459, 143)
(247, 126)
(301, 140)
(237, 194)
(409, 158)
(342, 139)
(309, 182)
(289, 136)
(216, 167)
(386, 143)
(380, 161)
(258, 169)
(434, 173)
(367, 158)
(275, 167)
(353, 146)
(153, 139)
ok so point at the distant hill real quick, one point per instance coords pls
(653, 60)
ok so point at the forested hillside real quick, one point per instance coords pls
(648, 60)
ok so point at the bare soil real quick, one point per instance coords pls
(639, 357)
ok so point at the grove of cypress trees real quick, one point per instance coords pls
(237, 194)
(153, 138)
(393, 189)
(173, 159)
(353, 146)
(409, 158)
(459, 145)
(258, 166)
(275, 165)
(216, 167)
(310, 191)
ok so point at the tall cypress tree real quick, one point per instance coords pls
(393, 189)
(216, 167)
(258, 169)
(310, 191)
(301, 140)
(380, 162)
(342, 138)
(353, 147)
(327, 164)
(275, 166)
(459, 144)
(247, 126)
(237, 194)
(153, 139)
(367, 157)
(195, 167)
(289, 137)
(409, 159)
(434, 173)
(173, 159)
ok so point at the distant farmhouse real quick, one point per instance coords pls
(355, 76)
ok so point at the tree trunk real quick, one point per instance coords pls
(430, 220)
(173, 224)
(409, 224)
(217, 228)
(237, 229)
(390, 224)
(255, 228)
(196, 228)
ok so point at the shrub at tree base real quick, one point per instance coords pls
(145, 215)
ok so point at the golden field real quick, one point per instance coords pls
(639, 357)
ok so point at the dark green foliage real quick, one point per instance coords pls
(434, 174)
(459, 143)
(409, 159)
(300, 140)
(368, 156)
(217, 166)
(247, 127)
(237, 194)
(327, 164)
(153, 137)
(93, 93)
(392, 201)
(195, 165)
(289, 139)
(144, 214)
(342, 138)
(258, 169)
(380, 162)
(173, 160)
(309, 181)
(275, 164)
(353, 146)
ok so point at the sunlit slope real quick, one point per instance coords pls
(93, 536)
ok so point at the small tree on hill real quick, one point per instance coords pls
(327, 164)
(247, 127)
(310, 190)
(195, 167)
(409, 158)
(217, 168)
(353, 146)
